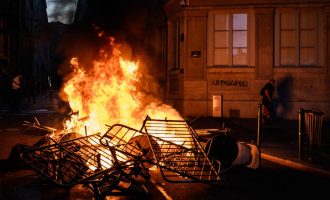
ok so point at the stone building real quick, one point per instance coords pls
(23, 47)
(221, 52)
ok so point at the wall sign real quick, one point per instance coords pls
(195, 54)
(229, 84)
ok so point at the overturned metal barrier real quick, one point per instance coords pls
(131, 143)
(178, 153)
(86, 161)
(109, 163)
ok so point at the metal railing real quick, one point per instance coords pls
(310, 132)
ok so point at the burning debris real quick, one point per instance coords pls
(108, 162)
(113, 90)
(107, 158)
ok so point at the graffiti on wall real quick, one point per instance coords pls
(229, 84)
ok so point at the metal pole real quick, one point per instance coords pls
(311, 133)
(300, 133)
(259, 124)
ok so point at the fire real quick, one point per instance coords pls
(111, 91)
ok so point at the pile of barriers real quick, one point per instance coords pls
(109, 163)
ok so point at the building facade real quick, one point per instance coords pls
(23, 46)
(221, 53)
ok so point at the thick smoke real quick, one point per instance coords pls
(131, 22)
(61, 10)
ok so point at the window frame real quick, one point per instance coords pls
(249, 38)
(318, 53)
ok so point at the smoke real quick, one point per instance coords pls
(61, 10)
(131, 22)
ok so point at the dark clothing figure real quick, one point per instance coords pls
(267, 100)
(17, 92)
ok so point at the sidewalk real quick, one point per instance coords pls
(43, 104)
(278, 141)
(11, 123)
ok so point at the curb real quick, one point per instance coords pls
(295, 165)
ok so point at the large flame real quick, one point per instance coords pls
(109, 92)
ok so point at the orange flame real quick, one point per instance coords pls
(111, 92)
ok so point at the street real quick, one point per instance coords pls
(270, 181)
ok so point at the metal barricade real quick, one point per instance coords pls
(310, 131)
(85, 160)
(178, 154)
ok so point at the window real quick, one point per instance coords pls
(297, 38)
(307, 46)
(231, 39)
